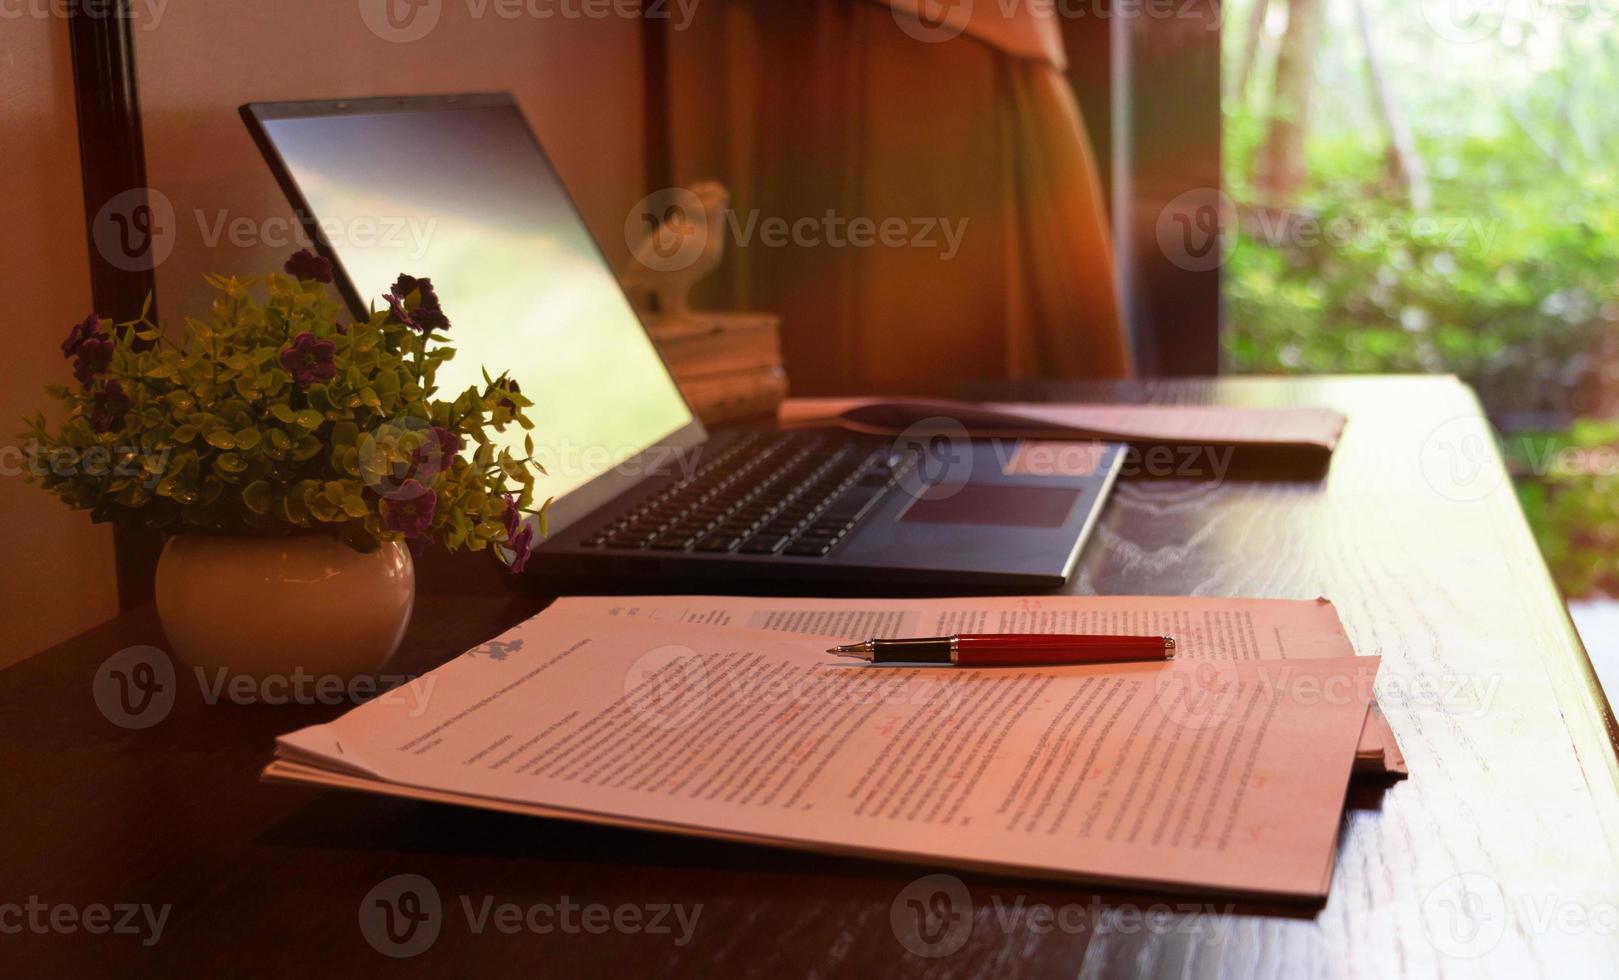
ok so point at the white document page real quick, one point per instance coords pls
(1208, 775)
(1204, 627)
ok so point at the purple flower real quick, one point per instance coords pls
(397, 311)
(108, 408)
(309, 359)
(94, 355)
(433, 455)
(80, 333)
(410, 509)
(306, 266)
(522, 547)
(428, 314)
(513, 517)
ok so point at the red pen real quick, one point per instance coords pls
(1010, 649)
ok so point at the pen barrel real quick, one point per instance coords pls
(1041, 649)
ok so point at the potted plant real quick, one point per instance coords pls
(291, 460)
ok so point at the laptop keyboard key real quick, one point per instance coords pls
(757, 494)
(809, 547)
(673, 542)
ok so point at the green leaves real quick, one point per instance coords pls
(256, 497)
(218, 436)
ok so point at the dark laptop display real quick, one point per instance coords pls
(460, 193)
(457, 189)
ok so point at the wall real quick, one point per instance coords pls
(56, 571)
(577, 80)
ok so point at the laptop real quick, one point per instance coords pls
(457, 188)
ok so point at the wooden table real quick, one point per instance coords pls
(1497, 856)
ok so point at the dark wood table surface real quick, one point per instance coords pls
(1496, 857)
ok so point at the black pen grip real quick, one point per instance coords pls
(913, 650)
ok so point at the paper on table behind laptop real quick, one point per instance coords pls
(1305, 428)
(1203, 626)
(1228, 776)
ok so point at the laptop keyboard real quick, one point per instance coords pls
(790, 493)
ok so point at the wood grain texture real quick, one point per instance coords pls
(1511, 811)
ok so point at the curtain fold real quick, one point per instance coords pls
(990, 258)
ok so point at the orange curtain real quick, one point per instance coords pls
(965, 158)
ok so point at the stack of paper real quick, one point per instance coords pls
(1225, 769)
(1305, 430)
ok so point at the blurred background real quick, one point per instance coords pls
(1425, 187)
(1393, 186)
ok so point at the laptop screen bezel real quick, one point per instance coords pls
(575, 504)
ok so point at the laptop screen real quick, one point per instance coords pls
(463, 195)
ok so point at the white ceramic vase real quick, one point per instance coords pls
(271, 607)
